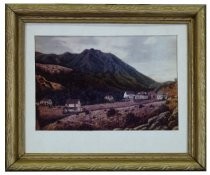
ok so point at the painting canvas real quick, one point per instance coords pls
(106, 82)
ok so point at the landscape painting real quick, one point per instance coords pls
(116, 83)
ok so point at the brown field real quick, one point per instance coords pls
(147, 115)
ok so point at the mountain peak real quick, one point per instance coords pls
(91, 51)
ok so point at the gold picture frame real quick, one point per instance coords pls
(17, 15)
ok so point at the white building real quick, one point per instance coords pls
(129, 95)
(46, 102)
(141, 96)
(109, 98)
(161, 96)
(73, 105)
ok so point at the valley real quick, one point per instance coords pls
(94, 90)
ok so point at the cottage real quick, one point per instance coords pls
(73, 105)
(129, 95)
(141, 96)
(109, 98)
(161, 96)
(46, 102)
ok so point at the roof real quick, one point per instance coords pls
(46, 99)
(142, 93)
(72, 101)
(130, 92)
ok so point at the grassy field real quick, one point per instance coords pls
(147, 115)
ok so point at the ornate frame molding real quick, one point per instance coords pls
(19, 14)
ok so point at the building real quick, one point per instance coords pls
(109, 98)
(162, 96)
(46, 102)
(141, 96)
(129, 95)
(73, 105)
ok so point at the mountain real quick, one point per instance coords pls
(95, 62)
(92, 74)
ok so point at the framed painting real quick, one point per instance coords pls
(105, 87)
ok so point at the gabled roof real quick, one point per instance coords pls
(142, 93)
(130, 92)
(72, 101)
(45, 99)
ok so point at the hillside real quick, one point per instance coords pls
(171, 89)
(91, 74)
(42, 84)
(52, 69)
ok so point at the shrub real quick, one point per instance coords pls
(151, 106)
(141, 106)
(167, 102)
(87, 112)
(130, 115)
(131, 119)
(111, 112)
(162, 108)
(86, 126)
(172, 104)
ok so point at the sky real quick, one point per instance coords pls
(154, 56)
